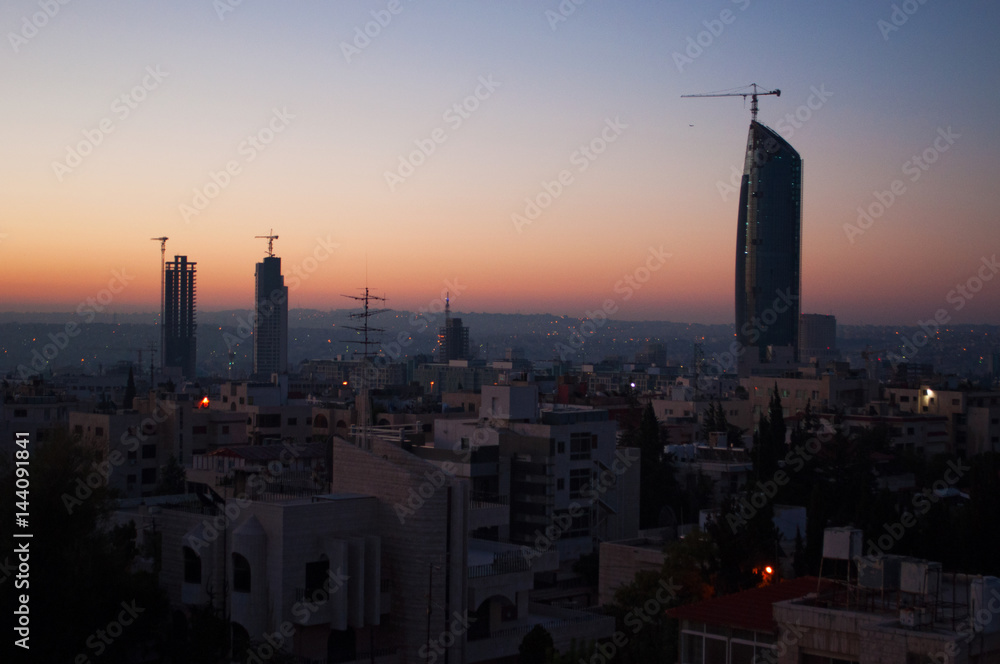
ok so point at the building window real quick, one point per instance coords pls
(130, 481)
(578, 479)
(192, 566)
(241, 574)
(199, 429)
(225, 428)
(99, 431)
(560, 484)
(292, 421)
(904, 399)
(316, 575)
(20, 412)
(579, 446)
(149, 451)
(149, 475)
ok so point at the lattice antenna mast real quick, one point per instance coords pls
(363, 316)
(756, 91)
(270, 242)
(366, 367)
(163, 284)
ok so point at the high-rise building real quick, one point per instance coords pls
(818, 338)
(768, 246)
(270, 328)
(179, 325)
(453, 338)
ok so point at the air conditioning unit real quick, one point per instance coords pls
(915, 617)
(842, 543)
(984, 594)
(919, 577)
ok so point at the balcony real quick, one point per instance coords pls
(487, 510)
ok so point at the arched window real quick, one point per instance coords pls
(192, 566)
(241, 574)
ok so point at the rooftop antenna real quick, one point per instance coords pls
(757, 91)
(366, 343)
(163, 277)
(270, 242)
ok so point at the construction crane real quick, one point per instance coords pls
(757, 91)
(163, 276)
(270, 242)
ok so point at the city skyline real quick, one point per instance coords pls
(296, 119)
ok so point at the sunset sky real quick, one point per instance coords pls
(120, 115)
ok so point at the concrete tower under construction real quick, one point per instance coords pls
(179, 324)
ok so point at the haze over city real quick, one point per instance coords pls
(405, 153)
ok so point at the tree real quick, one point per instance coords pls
(82, 578)
(129, 397)
(536, 647)
(657, 486)
(173, 479)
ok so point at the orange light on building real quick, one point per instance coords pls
(203, 403)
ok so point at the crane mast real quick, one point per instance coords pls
(757, 91)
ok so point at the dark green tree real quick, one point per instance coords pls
(129, 397)
(536, 647)
(81, 577)
(173, 478)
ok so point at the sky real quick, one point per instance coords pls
(525, 156)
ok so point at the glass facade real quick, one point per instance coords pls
(768, 243)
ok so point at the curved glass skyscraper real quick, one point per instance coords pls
(768, 245)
